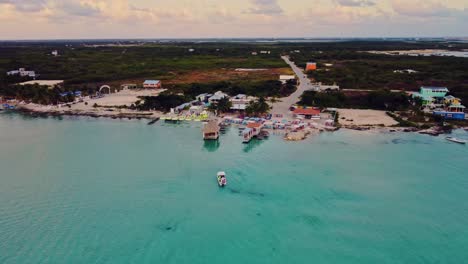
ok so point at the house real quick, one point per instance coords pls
(217, 96)
(285, 78)
(265, 52)
(254, 53)
(307, 113)
(203, 97)
(54, 53)
(431, 95)
(127, 86)
(23, 73)
(454, 112)
(252, 130)
(211, 130)
(152, 84)
(191, 50)
(311, 66)
(240, 102)
(452, 100)
(49, 83)
(322, 87)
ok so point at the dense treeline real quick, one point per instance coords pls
(85, 64)
(35, 94)
(163, 102)
(380, 100)
(361, 70)
(80, 65)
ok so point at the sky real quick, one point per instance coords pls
(98, 19)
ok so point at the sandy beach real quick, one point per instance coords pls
(359, 117)
(107, 106)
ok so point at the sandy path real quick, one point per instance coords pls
(286, 102)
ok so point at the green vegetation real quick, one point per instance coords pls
(354, 69)
(257, 108)
(36, 94)
(380, 100)
(222, 106)
(163, 102)
(83, 65)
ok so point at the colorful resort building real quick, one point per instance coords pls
(152, 84)
(454, 112)
(431, 95)
(252, 130)
(448, 107)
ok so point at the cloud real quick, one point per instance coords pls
(423, 8)
(26, 5)
(355, 3)
(74, 8)
(265, 7)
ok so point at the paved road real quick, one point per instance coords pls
(286, 102)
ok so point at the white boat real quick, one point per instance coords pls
(456, 140)
(221, 176)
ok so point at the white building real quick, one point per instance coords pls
(217, 96)
(55, 53)
(265, 52)
(285, 78)
(241, 101)
(23, 73)
(254, 53)
(322, 87)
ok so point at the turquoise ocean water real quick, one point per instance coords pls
(83, 190)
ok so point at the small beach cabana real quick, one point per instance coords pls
(211, 130)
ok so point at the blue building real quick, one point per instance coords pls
(453, 112)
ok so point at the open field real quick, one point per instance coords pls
(171, 79)
(84, 65)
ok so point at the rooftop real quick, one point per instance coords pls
(211, 127)
(306, 111)
(151, 82)
(254, 125)
(440, 89)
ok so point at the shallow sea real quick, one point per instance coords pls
(84, 190)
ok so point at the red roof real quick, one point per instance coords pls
(254, 125)
(307, 111)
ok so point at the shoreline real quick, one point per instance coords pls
(95, 114)
(151, 115)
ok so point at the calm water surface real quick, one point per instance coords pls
(82, 190)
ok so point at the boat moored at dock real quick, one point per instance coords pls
(252, 130)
